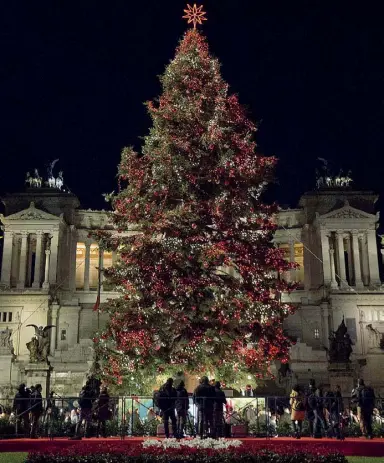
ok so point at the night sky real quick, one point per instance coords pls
(74, 76)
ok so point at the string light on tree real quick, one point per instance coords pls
(199, 281)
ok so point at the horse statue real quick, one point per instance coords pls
(36, 180)
(60, 180)
(28, 179)
(51, 179)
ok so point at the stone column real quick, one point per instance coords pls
(348, 243)
(7, 259)
(46, 272)
(54, 320)
(23, 261)
(38, 257)
(374, 275)
(341, 258)
(87, 264)
(101, 265)
(292, 273)
(72, 260)
(326, 257)
(53, 259)
(356, 259)
(332, 267)
(364, 259)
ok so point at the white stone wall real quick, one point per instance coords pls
(329, 225)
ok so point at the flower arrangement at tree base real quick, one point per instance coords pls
(199, 444)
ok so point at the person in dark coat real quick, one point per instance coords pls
(182, 406)
(36, 409)
(364, 397)
(309, 413)
(218, 410)
(21, 405)
(167, 403)
(334, 405)
(316, 402)
(102, 412)
(85, 402)
(204, 398)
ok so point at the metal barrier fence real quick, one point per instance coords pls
(138, 416)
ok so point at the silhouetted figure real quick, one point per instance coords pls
(182, 406)
(218, 410)
(21, 407)
(364, 397)
(204, 398)
(166, 401)
(102, 413)
(36, 409)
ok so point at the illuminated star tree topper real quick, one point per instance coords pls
(195, 14)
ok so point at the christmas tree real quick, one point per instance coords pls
(199, 277)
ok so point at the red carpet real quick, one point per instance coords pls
(349, 447)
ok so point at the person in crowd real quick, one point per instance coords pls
(182, 406)
(364, 397)
(308, 410)
(212, 382)
(218, 410)
(297, 402)
(85, 403)
(377, 418)
(102, 412)
(316, 402)
(250, 414)
(248, 391)
(273, 425)
(285, 417)
(36, 409)
(151, 414)
(165, 400)
(74, 417)
(21, 407)
(204, 398)
(334, 413)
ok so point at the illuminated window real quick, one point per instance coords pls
(298, 251)
(63, 335)
(316, 333)
(80, 264)
(93, 265)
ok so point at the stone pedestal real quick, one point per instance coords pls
(39, 373)
(343, 375)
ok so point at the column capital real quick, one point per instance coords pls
(47, 252)
(331, 251)
(39, 232)
(24, 233)
(354, 232)
(340, 232)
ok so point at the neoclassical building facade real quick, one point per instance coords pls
(49, 276)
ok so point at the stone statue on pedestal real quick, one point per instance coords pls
(39, 345)
(340, 347)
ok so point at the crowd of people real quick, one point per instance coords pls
(30, 411)
(326, 413)
(209, 413)
(209, 399)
